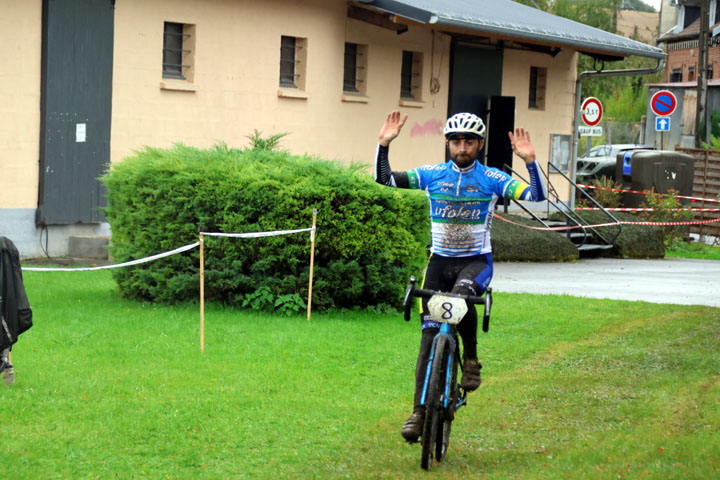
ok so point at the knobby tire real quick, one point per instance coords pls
(443, 434)
(433, 404)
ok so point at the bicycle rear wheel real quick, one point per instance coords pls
(432, 431)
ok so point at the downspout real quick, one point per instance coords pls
(578, 102)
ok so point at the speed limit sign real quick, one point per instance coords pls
(592, 111)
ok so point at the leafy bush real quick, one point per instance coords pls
(513, 243)
(369, 239)
(606, 198)
(667, 208)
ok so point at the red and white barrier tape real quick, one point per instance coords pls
(628, 209)
(694, 199)
(610, 224)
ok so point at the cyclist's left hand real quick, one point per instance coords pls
(521, 145)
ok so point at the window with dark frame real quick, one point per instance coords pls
(536, 94)
(676, 75)
(691, 74)
(406, 75)
(532, 100)
(287, 61)
(173, 41)
(350, 77)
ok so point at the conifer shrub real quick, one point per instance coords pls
(369, 239)
(513, 243)
(634, 241)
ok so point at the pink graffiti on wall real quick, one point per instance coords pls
(431, 127)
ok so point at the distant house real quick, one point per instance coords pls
(681, 43)
(86, 82)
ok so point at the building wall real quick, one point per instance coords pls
(687, 56)
(557, 116)
(236, 80)
(668, 16)
(234, 91)
(20, 37)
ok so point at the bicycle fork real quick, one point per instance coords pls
(445, 331)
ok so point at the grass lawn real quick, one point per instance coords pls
(573, 388)
(694, 250)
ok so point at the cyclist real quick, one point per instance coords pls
(462, 194)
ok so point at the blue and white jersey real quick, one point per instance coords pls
(462, 201)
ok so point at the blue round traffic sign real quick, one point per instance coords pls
(663, 103)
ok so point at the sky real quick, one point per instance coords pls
(654, 3)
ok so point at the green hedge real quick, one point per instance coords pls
(513, 243)
(370, 238)
(634, 241)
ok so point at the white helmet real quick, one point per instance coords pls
(467, 123)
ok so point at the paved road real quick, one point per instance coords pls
(678, 281)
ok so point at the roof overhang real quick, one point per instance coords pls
(507, 20)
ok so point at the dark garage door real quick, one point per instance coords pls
(76, 92)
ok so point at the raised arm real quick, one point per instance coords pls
(383, 173)
(393, 125)
(521, 145)
(523, 148)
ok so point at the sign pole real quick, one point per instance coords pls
(312, 262)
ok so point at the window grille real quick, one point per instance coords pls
(288, 46)
(174, 38)
(406, 75)
(350, 77)
(536, 94)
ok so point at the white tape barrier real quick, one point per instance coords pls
(184, 248)
(125, 264)
(258, 234)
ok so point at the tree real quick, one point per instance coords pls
(543, 5)
(637, 5)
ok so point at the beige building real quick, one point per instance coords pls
(83, 83)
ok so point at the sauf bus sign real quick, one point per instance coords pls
(591, 112)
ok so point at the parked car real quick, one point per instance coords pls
(601, 160)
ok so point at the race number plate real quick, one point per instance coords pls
(447, 309)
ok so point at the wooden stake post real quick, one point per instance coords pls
(202, 294)
(312, 262)
(202, 279)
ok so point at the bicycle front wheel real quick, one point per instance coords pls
(433, 404)
(443, 434)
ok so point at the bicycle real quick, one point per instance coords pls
(442, 396)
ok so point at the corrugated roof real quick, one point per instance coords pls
(505, 18)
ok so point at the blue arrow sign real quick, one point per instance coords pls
(662, 124)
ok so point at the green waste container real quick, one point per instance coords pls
(659, 169)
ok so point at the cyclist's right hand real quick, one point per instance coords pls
(393, 124)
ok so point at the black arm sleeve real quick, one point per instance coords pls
(384, 174)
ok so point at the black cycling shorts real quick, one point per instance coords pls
(464, 275)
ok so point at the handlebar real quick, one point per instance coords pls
(411, 291)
